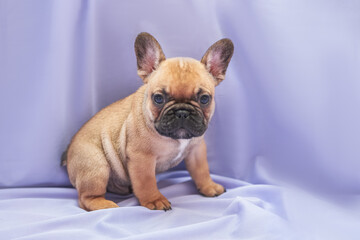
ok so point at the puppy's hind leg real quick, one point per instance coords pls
(91, 185)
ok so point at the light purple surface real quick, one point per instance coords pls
(287, 112)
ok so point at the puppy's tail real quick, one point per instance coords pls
(64, 158)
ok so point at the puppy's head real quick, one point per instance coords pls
(179, 100)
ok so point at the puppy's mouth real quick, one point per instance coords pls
(181, 121)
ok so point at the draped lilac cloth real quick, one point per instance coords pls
(284, 139)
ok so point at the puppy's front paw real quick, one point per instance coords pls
(160, 203)
(212, 189)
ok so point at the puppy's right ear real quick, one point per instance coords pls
(148, 55)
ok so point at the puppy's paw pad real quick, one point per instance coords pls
(97, 204)
(110, 204)
(161, 203)
(212, 190)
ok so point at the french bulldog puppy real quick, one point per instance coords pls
(124, 145)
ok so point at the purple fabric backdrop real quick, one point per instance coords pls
(287, 112)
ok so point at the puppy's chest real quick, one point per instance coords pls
(172, 155)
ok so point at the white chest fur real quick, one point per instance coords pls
(183, 144)
(164, 164)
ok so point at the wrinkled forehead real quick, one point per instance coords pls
(182, 78)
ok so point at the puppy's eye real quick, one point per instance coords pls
(204, 99)
(159, 99)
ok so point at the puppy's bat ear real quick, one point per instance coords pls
(217, 58)
(148, 55)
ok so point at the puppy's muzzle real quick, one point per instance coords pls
(181, 121)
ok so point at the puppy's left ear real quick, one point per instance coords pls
(148, 54)
(217, 58)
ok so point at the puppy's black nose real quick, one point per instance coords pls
(182, 113)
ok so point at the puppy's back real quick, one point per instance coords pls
(108, 120)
